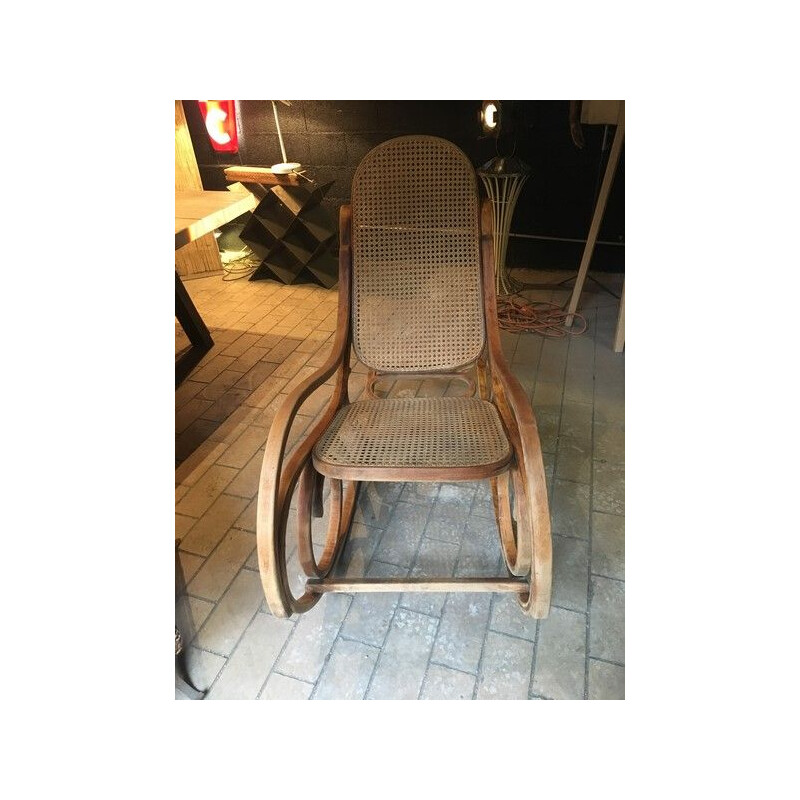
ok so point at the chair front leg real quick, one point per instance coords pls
(534, 512)
(280, 473)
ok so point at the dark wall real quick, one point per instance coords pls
(330, 137)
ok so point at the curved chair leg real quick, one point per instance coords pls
(273, 512)
(272, 539)
(341, 515)
(535, 516)
(308, 506)
(516, 547)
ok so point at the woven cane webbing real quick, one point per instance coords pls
(417, 303)
(415, 432)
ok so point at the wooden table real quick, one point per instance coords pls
(196, 214)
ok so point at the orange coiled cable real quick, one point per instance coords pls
(515, 313)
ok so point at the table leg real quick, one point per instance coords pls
(181, 679)
(597, 217)
(619, 336)
(191, 322)
(184, 619)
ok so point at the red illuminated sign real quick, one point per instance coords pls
(220, 119)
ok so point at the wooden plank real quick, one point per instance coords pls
(217, 207)
(198, 213)
(262, 175)
(201, 256)
(619, 336)
(597, 218)
(187, 175)
(237, 187)
(517, 585)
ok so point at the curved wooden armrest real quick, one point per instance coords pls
(339, 360)
(278, 477)
(282, 423)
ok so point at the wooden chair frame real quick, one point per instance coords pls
(524, 522)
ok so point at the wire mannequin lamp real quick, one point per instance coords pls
(503, 178)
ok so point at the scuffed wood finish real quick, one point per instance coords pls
(398, 474)
(514, 541)
(518, 417)
(423, 585)
(373, 377)
(341, 515)
(484, 376)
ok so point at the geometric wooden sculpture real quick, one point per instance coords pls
(293, 236)
(416, 298)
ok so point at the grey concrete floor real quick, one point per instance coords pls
(398, 646)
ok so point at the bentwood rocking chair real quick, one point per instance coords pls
(416, 299)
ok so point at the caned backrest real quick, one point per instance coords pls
(417, 298)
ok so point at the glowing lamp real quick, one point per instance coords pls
(220, 120)
(490, 117)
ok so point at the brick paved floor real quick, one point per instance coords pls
(398, 646)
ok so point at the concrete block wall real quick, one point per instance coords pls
(330, 137)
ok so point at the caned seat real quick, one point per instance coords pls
(416, 301)
(414, 436)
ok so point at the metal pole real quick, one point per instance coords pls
(278, 126)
